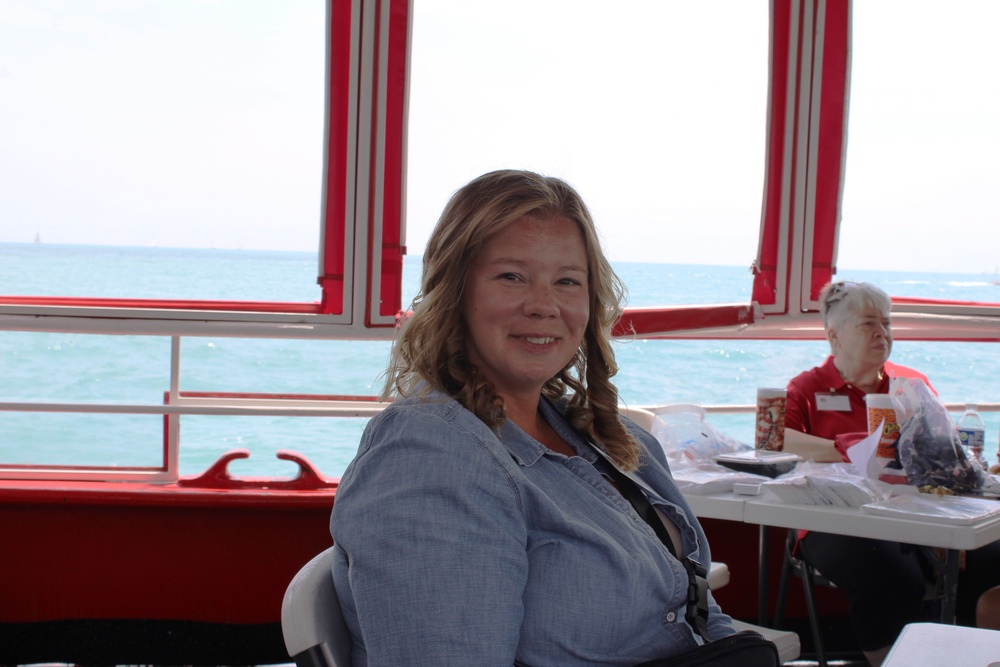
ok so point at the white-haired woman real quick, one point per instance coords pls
(826, 414)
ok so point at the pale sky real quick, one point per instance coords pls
(198, 124)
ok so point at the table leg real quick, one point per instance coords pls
(762, 584)
(947, 569)
(949, 572)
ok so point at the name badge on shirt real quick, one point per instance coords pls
(833, 402)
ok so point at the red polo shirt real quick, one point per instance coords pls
(844, 426)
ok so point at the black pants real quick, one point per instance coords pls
(885, 582)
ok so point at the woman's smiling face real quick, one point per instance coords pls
(526, 303)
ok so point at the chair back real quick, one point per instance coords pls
(641, 416)
(311, 622)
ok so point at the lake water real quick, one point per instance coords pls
(136, 369)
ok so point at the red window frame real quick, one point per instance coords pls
(362, 224)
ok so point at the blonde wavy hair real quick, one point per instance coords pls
(431, 344)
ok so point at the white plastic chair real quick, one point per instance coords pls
(641, 416)
(311, 623)
(718, 575)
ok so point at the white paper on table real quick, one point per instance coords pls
(862, 455)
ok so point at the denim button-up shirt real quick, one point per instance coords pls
(455, 545)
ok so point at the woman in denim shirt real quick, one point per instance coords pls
(477, 524)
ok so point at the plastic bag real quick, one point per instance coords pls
(685, 435)
(704, 478)
(837, 484)
(929, 447)
(956, 510)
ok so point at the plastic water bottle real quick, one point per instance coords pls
(972, 432)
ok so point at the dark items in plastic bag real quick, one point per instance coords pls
(929, 446)
(935, 458)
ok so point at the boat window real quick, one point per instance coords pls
(162, 126)
(234, 132)
(195, 130)
(921, 178)
(655, 111)
(173, 158)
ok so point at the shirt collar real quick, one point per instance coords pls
(832, 379)
(830, 376)
(527, 451)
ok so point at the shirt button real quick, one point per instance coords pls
(671, 617)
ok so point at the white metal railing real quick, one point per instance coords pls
(169, 471)
(176, 405)
(179, 403)
(229, 405)
(739, 409)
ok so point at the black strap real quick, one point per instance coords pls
(697, 594)
(634, 495)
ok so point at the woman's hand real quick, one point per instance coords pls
(811, 447)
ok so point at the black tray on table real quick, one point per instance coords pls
(760, 462)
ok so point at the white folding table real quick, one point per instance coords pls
(853, 521)
(936, 644)
(726, 506)
(850, 521)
